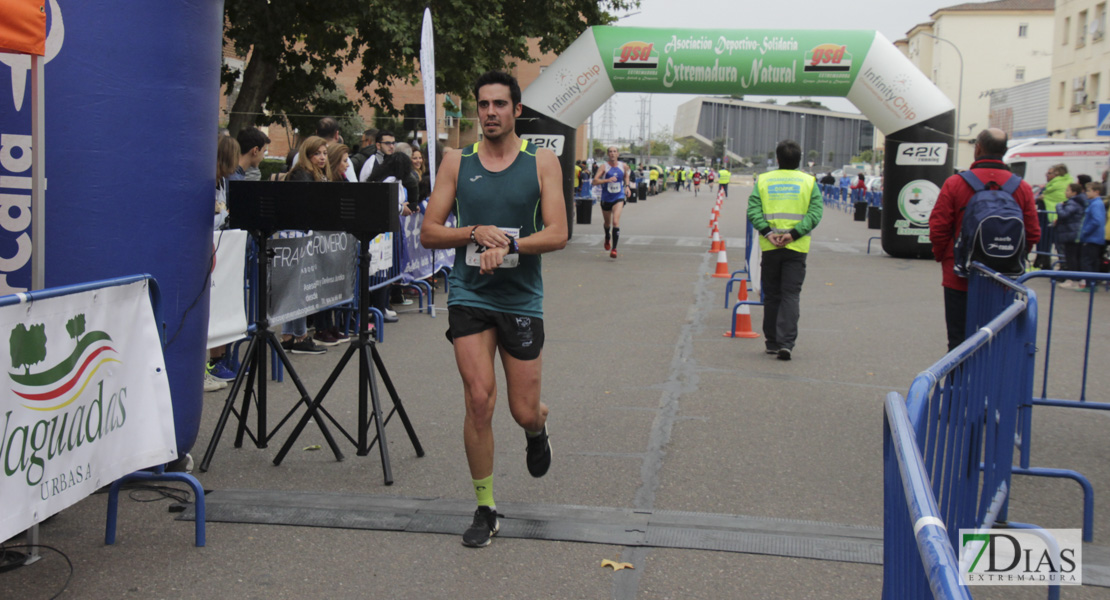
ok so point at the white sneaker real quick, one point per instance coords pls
(211, 384)
(392, 314)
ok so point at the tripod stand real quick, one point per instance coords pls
(253, 370)
(368, 360)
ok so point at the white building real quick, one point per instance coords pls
(970, 50)
(1080, 68)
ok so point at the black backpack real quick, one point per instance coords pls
(993, 230)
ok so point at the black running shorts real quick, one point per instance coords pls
(608, 206)
(520, 336)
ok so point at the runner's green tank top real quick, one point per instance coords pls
(508, 199)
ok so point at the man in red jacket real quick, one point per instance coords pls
(948, 216)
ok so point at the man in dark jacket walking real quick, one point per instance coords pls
(948, 216)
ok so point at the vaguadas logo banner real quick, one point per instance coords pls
(59, 385)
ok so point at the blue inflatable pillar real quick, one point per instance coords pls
(131, 120)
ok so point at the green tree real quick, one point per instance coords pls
(295, 47)
(76, 326)
(27, 346)
(690, 149)
(812, 155)
(832, 155)
(807, 103)
(719, 148)
(866, 156)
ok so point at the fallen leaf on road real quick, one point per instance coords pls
(308, 448)
(617, 566)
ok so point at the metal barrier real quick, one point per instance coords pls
(962, 413)
(1025, 416)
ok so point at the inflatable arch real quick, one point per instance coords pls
(863, 66)
(131, 108)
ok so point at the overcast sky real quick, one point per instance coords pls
(893, 18)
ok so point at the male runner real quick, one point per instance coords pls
(613, 176)
(508, 196)
(697, 182)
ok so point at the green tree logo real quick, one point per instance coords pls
(76, 326)
(27, 346)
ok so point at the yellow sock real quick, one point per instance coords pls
(483, 488)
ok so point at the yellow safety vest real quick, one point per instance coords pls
(654, 175)
(785, 195)
(723, 176)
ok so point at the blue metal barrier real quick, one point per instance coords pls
(963, 415)
(1025, 416)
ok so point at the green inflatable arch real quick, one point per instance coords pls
(862, 66)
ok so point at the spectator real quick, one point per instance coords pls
(947, 218)
(386, 143)
(216, 373)
(338, 161)
(367, 147)
(227, 160)
(311, 165)
(1069, 217)
(252, 147)
(1092, 233)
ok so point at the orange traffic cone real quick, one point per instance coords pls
(742, 328)
(722, 264)
(718, 245)
(720, 196)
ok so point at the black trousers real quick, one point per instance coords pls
(784, 271)
(955, 316)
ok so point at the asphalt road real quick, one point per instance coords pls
(652, 409)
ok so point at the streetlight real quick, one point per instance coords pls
(959, 95)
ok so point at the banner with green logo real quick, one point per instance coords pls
(85, 399)
(711, 61)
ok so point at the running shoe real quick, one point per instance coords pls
(772, 351)
(220, 371)
(607, 245)
(307, 346)
(340, 337)
(211, 384)
(484, 527)
(613, 254)
(784, 353)
(538, 453)
(325, 338)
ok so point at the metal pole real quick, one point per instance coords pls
(959, 97)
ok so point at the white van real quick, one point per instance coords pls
(1031, 159)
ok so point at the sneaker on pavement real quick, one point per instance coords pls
(211, 384)
(538, 453)
(219, 370)
(484, 527)
(772, 351)
(307, 346)
(389, 312)
(607, 246)
(325, 338)
(784, 353)
(613, 254)
(339, 336)
(287, 345)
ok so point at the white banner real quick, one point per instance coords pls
(893, 92)
(574, 86)
(227, 316)
(85, 401)
(428, 74)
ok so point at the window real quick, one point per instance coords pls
(1098, 25)
(1067, 30)
(1081, 30)
(1063, 95)
(1023, 30)
(1019, 74)
(1092, 89)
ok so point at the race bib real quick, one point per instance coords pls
(474, 251)
(614, 187)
